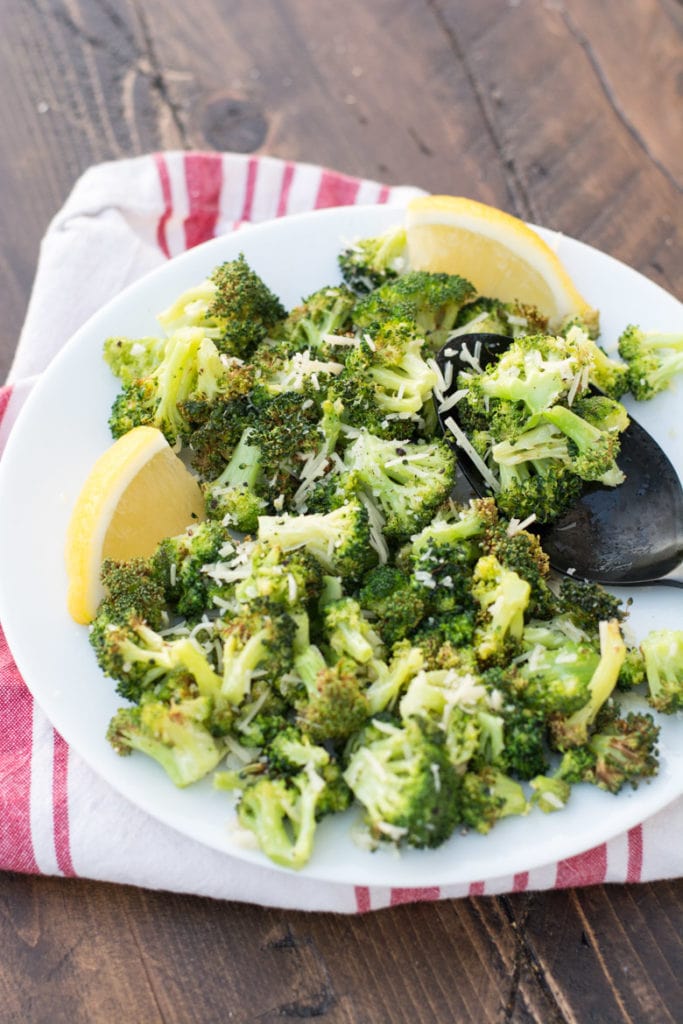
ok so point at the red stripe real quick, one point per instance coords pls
(5, 395)
(520, 882)
(252, 171)
(204, 180)
(285, 187)
(60, 806)
(476, 889)
(16, 725)
(336, 190)
(399, 896)
(383, 196)
(165, 182)
(362, 899)
(634, 868)
(589, 868)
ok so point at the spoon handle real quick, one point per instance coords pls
(674, 578)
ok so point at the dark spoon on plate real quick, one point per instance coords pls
(628, 535)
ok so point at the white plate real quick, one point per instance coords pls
(63, 428)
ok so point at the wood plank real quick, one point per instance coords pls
(575, 163)
(106, 948)
(612, 952)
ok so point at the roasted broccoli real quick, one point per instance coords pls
(340, 629)
(431, 301)
(366, 263)
(663, 653)
(653, 358)
(175, 734)
(402, 777)
(233, 307)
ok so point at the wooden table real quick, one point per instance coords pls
(565, 112)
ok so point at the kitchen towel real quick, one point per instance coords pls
(57, 817)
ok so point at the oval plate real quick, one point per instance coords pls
(63, 428)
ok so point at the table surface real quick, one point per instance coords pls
(564, 113)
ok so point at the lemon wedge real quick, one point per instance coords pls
(498, 253)
(137, 493)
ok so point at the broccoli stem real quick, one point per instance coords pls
(573, 731)
(244, 466)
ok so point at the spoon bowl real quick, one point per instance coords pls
(628, 535)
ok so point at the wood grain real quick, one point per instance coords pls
(567, 113)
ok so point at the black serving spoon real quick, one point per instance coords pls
(621, 536)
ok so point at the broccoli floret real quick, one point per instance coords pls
(405, 782)
(334, 705)
(232, 497)
(453, 523)
(290, 751)
(282, 814)
(604, 373)
(327, 311)
(408, 480)
(279, 372)
(235, 506)
(543, 488)
(394, 362)
(653, 357)
(432, 301)
(339, 540)
(442, 576)
(632, 672)
(367, 263)
(142, 661)
(387, 681)
(521, 551)
(259, 720)
(258, 643)
(533, 473)
(176, 735)
(524, 749)
(550, 794)
(348, 633)
(503, 598)
(663, 653)
(524, 374)
(433, 694)
(284, 430)
(291, 579)
(394, 605)
(573, 731)
(557, 679)
(512, 734)
(220, 376)
(490, 316)
(216, 426)
(621, 751)
(602, 412)
(179, 564)
(132, 358)
(592, 451)
(588, 604)
(232, 306)
(157, 399)
(440, 641)
(133, 590)
(487, 796)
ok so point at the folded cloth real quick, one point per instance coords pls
(57, 817)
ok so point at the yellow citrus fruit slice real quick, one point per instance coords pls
(498, 253)
(137, 493)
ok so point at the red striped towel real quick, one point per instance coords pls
(56, 816)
